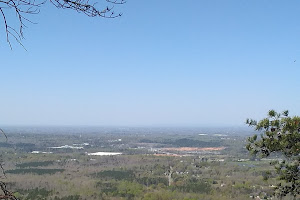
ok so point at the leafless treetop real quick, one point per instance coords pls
(24, 8)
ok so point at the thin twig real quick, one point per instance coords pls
(24, 8)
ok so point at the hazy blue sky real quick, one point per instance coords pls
(181, 63)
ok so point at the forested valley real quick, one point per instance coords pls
(124, 163)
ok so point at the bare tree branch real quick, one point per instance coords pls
(3, 133)
(6, 194)
(25, 8)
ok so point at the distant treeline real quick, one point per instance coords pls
(23, 146)
(71, 197)
(185, 142)
(34, 171)
(35, 164)
(117, 175)
(129, 175)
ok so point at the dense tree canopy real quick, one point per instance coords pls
(280, 136)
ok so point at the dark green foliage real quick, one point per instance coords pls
(152, 181)
(71, 197)
(243, 188)
(195, 185)
(34, 164)
(266, 175)
(5, 144)
(37, 194)
(20, 146)
(34, 171)
(280, 134)
(107, 187)
(27, 147)
(117, 175)
(122, 188)
(129, 190)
